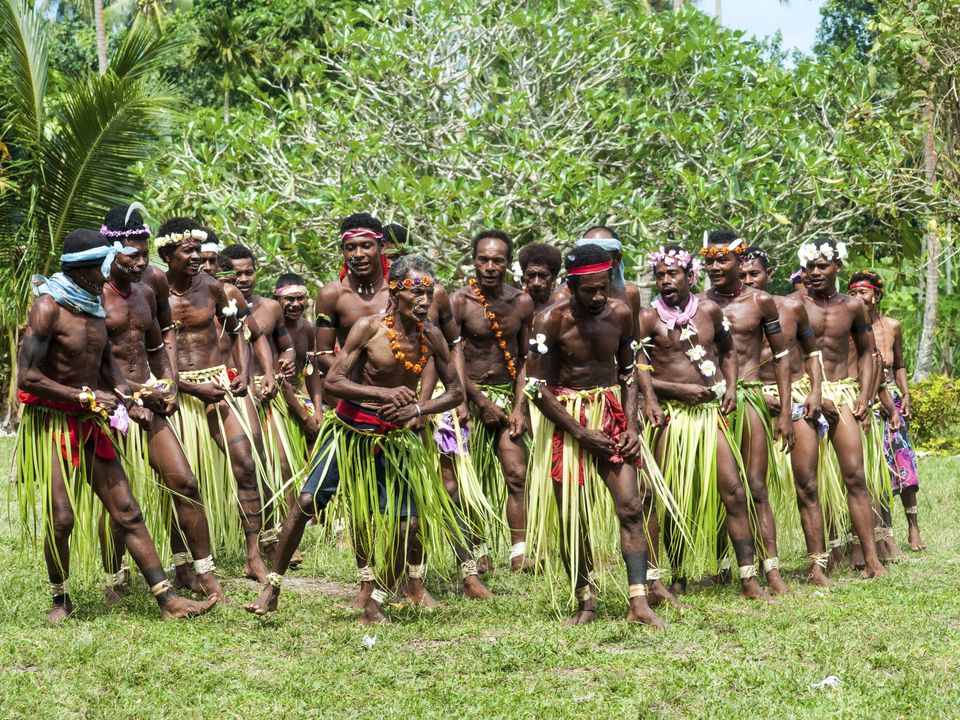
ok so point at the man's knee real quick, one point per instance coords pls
(62, 518)
(631, 512)
(127, 514)
(308, 504)
(245, 471)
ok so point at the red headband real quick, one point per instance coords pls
(865, 283)
(588, 269)
(360, 232)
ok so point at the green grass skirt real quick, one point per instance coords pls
(587, 511)
(689, 469)
(408, 469)
(283, 437)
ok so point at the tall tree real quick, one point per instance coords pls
(101, 36)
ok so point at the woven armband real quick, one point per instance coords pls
(532, 387)
(808, 333)
(771, 327)
(324, 321)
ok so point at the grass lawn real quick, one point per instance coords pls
(894, 643)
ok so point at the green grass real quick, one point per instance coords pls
(894, 643)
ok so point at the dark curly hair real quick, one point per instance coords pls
(540, 254)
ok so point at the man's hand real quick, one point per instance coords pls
(895, 421)
(107, 400)
(905, 407)
(287, 364)
(141, 415)
(517, 422)
(694, 394)
(830, 411)
(811, 407)
(597, 443)
(628, 445)
(860, 408)
(729, 402)
(784, 433)
(491, 413)
(268, 388)
(238, 386)
(773, 404)
(653, 413)
(397, 397)
(398, 415)
(207, 393)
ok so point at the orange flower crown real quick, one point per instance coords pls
(737, 248)
(407, 283)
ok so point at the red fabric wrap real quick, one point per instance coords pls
(357, 414)
(77, 428)
(613, 425)
(232, 374)
(587, 269)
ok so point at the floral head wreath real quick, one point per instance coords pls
(737, 247)
(678, 258)
(180, 238)
(408, 283)
(808, 252)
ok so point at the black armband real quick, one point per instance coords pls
(625, 342)
(324, 321)
(771, 327)
(162, 306)
(723, 334)
(899, 367)
(281, 331)
(241, 314)
(860, 328)
(808, 333)
(444, 319)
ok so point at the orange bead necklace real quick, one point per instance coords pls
(495, 326)
(399, 354)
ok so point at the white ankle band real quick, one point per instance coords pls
(378, 596)
(910, 510)
(417, 572)
(204, 565)
(120, 578)
(584, 593)
(468, 568)
(820, 559)
(274, 580)
(269, 536)
(771, 564)
(654, 573)
(480, 551)
(160, 588)
(518, 550)
(182, 558)
(639, 590)
(748, 571)
(835, 543)
(59, 588)
(365, 573)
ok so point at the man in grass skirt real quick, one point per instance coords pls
(586, 443)
(694, 374)
(365, 449)
(72, 391)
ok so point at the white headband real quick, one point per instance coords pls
(210, 247)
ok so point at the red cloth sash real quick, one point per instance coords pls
(359, 415)
(77, 428)
(613, 425)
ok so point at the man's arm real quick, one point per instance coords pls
(517, 422)
(41, 323)
(813, 363)
(338, 382)
(862, 332)
(727, 355)
(286, 352)
(326, 335)
(900, 370)
(161, 290)
(783, 430)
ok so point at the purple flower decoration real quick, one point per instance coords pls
(120, 420)
(446, 436)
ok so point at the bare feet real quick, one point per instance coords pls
(60, 611)
(362, 597)
(678, 587)
(818, 576)
(872, 570)
(296, 560)
(522, 563)
(883, 551)
(657, 593)
(177, 608)
(750, 590)
(484, 563)
(185, 579)
(113, 595)
(640, 612)
(474, 588)
(586, 613)
(255, 569)
(916, 542)
(418, 594)
(210, 587)
(856, 555)
(266, 603)
(893, 550)
(372, 614)
(775, 583)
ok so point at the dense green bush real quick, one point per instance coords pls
(935, 408)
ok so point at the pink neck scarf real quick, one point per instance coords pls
(673, 317)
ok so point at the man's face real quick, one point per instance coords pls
(130, 266)
(753, 274)
(867, 295)
(821, 274)
(246, 276)
(723, 270)
(673, 284)
(591, 291)
(362, 256)
(208, 263)
(293, 305)
(414, 302)
(490, 262)
(539, 282)
(141, 247)
(185, 258)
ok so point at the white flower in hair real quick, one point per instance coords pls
(807, 253)
(707, 368)
(826, 251)
(696, 353)
(842, 250)
(686, 333)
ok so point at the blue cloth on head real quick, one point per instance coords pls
(68, 294)
(610, 245)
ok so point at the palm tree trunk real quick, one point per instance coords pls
(932, 245)
(226, 104)
(101, 36)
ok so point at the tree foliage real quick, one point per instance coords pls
(450, 115)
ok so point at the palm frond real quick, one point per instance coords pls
(24, 40)
(144, 50)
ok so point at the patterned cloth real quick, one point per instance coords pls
(901, 460)
(613, 423)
